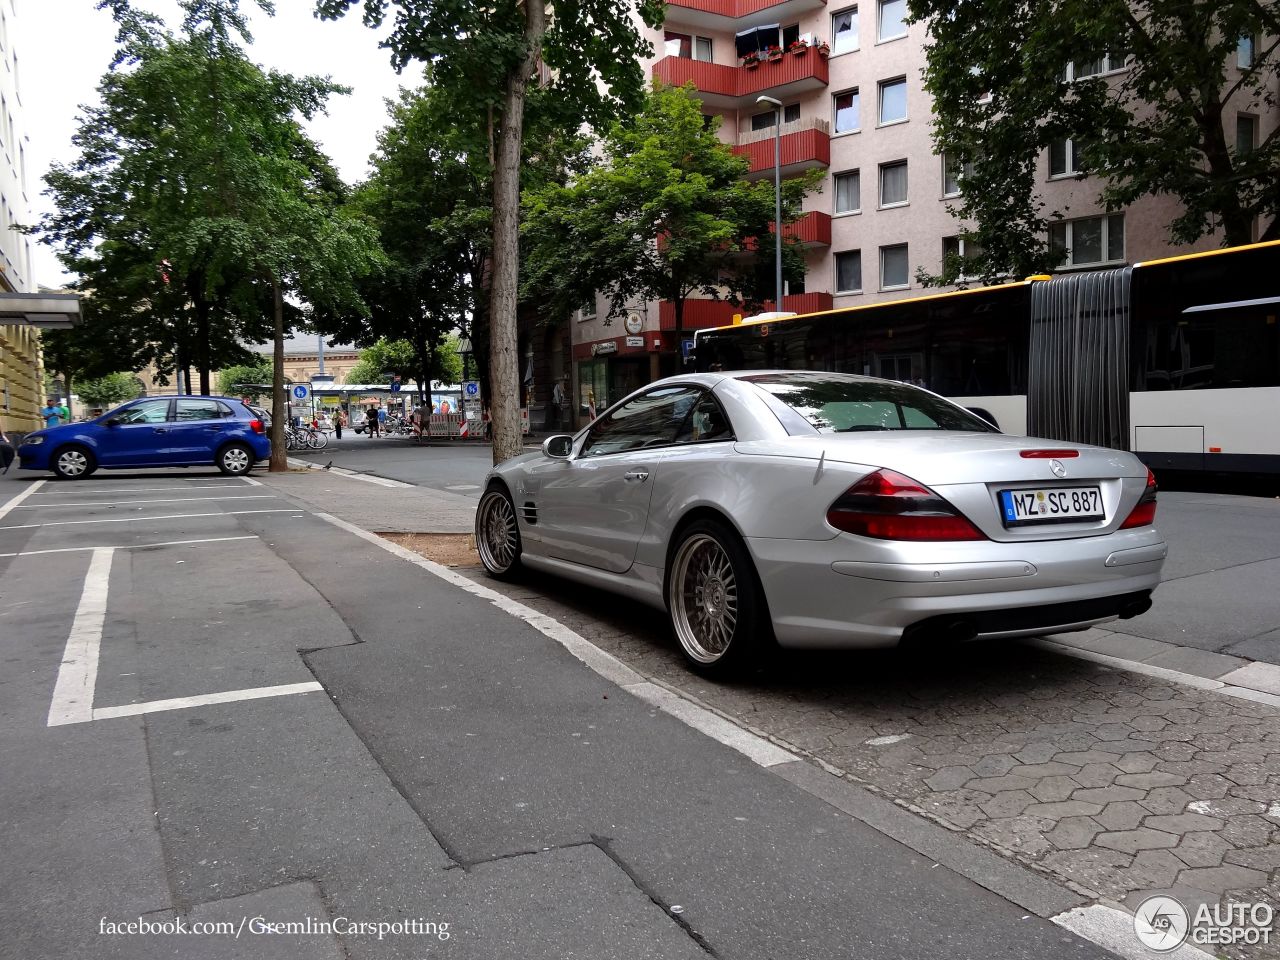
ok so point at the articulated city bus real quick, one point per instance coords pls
(1177, 360)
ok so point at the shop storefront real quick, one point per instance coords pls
(608, 370)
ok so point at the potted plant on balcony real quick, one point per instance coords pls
(774, 54)
(799, 47)
(751, 60)
(824, 49)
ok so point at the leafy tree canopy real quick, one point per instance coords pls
(1163, 124)
(108, 391)
(665, 215)
(252, 380)
(386, 358)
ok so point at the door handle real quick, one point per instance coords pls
(636, 476)
(159, 430)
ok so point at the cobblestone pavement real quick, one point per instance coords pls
(1118, 784)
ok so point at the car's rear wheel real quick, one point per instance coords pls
(235, 459)
(73, 463)
(498, 534)
(714, 599)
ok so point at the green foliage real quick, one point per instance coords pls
(386, 358)
(1165, 124)
(252, 380)
(108, 391)
(665, 176)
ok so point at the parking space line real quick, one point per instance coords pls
(182, 703)
(108, 488)
(170, 516)
(129, 546)
(129, 503)
(19, 497)
(78, 672)
(252, 482)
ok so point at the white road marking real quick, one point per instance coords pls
(18, 498)
(350, 474)
(252, 482)
(1112, 930)
(78, 673)
(129, 546)
(204, 699)
(108, 488)
(718, 727)
(129, 503)
(170, 516)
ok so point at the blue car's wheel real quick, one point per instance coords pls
(235, 459)
(73, 463)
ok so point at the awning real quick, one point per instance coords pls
(757, 39)
(50, 311)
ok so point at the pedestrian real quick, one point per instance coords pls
(372, 421)
(51, 414)
(6, 452)
(559, 403)
(339, 420)
(64, 412)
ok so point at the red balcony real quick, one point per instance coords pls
(803, 146)
(713, 13)
(700, 314)
(721, 85)
(813, 229)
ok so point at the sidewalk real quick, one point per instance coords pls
(1128, 767)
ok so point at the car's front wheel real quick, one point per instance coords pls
(498, 534)
(714, 599)
(235, 459)
(73, 463)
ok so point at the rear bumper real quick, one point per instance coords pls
(820, 597)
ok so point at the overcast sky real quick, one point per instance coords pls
(64, 47)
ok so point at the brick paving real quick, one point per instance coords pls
(1117, 784)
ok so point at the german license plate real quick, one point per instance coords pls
(1051, 504)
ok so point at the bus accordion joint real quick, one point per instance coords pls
(1048, 454)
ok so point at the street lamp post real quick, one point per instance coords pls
(777, 197)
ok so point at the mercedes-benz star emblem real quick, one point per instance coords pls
(1058, 469)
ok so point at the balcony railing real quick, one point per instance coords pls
(678, 10)
(790, 74)
(805, 143)
(700, 314)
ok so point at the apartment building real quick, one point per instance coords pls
(849, 76)
(23, 310)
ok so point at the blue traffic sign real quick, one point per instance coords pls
(300, 391)
(471, 388)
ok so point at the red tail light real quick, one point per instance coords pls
(256, 427)
(888, 506)
(1144, 514)
(1049, 454)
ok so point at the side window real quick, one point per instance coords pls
(706, 422)
(649, 420)
(150, 411)
(201, 410)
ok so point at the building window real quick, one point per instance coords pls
(1089, 240)
(1064, 158)
(952, 170)
(763, 121)
(847, 107)
(848, 192)
(1107, 63)
(893, 19)
(844, 31)
(893, 183)
(1246, 52)
(962, 248)
(893, 100)
(1246, 134)
(688, 47)
(791, 113)
(849, 271)
(790, 34)
(793, 287)
(893, 267)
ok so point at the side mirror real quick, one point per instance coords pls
(558, 447)
(112, 422)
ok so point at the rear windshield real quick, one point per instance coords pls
(840, 403)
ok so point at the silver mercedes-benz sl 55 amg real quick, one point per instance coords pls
(827, 510)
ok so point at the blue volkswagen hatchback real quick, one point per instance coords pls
(152, 432)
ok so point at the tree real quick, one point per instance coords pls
(198, 204)
(486, 54)
(387, 358)
(1165, 125)
(108, 391)
(252, 380)
(666, 215)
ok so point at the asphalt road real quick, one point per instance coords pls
(219, 707)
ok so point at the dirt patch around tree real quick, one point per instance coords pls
(450, 549)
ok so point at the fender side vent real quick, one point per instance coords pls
(530, 512)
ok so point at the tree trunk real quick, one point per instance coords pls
(679, 309)
(279, 455)
(424, 353)
(202, 344)
(503, 362)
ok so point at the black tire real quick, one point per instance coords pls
(498, 534)
(714, 600)
(235, 459)
(73, 463)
